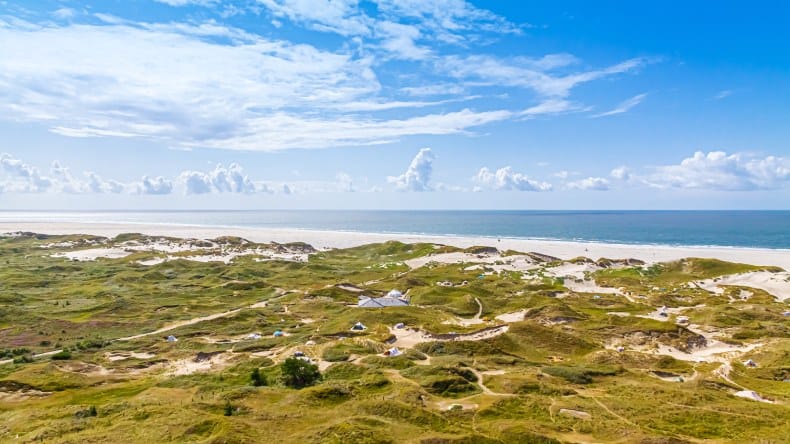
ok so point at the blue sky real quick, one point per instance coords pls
(394, 104)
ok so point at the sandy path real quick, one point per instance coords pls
(184, 323)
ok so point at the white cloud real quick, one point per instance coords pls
(282, 131)
(624, 106)
(449, 21)
(507, 179)
(621, 173)
(418, 176)
(22, 177)
(551, 106)
(188, 2)
(64, 13)
(344, 183)
(154, 185)
(177, 83)
(95, 184)
(718, 170)
(339, 16)
(434, 90)
(220, 180)
(400, 39)
(590, 183)
(723, 94)
(62, 177)
(530, 73)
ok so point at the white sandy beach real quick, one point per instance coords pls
(338, 239)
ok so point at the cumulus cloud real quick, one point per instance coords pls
(621, 173)
(507, 179)
(624, 106)
(221, 180)
(63, 179)
(22, 177)
(590, 183)
(418, 176)
(155, 185)
(95, 184)
(718, 170)
(344, 183)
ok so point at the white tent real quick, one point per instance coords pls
(393, 352)
(359, 327)
(172, 338)
(395, 294)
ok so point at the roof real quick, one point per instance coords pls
(381, 302)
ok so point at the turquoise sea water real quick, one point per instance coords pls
(762, 229)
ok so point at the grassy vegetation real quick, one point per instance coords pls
(222, 383)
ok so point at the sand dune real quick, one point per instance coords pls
(333, 239)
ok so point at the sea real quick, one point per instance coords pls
(756, 229)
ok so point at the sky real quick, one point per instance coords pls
(394, 104)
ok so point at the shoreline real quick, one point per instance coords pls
(346, 239)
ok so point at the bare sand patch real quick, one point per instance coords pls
(93, 254)
(122, 356)
(578, 414)
(777, 284)
(516, 316)
(749, 394)
(589, 286)
(199, 365)
(409, 338)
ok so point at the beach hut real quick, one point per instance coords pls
(359, 327)
(172, 338)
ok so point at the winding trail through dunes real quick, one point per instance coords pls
(470, 321)
(184, 323)
(199, 319)
(166, 328)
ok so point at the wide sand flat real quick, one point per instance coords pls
(337, 239)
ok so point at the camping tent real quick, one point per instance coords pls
(395, 294)
(393, 352)
(172, 338)
(359, 327)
